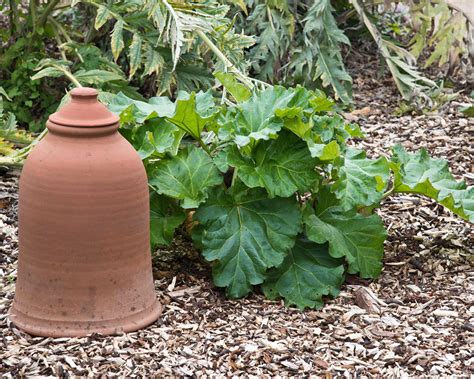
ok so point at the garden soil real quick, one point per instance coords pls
(416, 319)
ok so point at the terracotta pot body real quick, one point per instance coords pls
(84, 262)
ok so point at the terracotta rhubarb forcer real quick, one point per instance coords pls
(84, 262)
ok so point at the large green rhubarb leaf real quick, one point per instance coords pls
(419, 173)
(361, 180)
(191, 112)
(244, 233)
(257, 118)
(323, 134)
(282, 166)
(328, 128)
(194, 112)
(324, 152)
(165, 217)
(156, 136)
(306, 275)
(135, 111)
(188, 176)
(349, 234)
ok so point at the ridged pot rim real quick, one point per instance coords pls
(80, 131)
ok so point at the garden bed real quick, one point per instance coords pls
(418, 318)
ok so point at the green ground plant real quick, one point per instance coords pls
(279, 199)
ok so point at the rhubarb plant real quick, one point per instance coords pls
(278, 198)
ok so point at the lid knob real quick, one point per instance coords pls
(86, 94)
(84, 111)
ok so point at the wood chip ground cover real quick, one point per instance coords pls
(417, 319)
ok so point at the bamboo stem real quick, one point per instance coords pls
(47, 11)
(34, 15)
(13, 17)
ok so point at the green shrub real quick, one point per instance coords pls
(280, 199)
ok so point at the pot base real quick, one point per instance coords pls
(55, 329)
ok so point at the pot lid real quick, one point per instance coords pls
(84, 111)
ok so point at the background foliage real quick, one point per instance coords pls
(152, 47)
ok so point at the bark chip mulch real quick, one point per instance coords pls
(417, 319)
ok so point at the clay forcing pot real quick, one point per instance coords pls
(84, 262)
